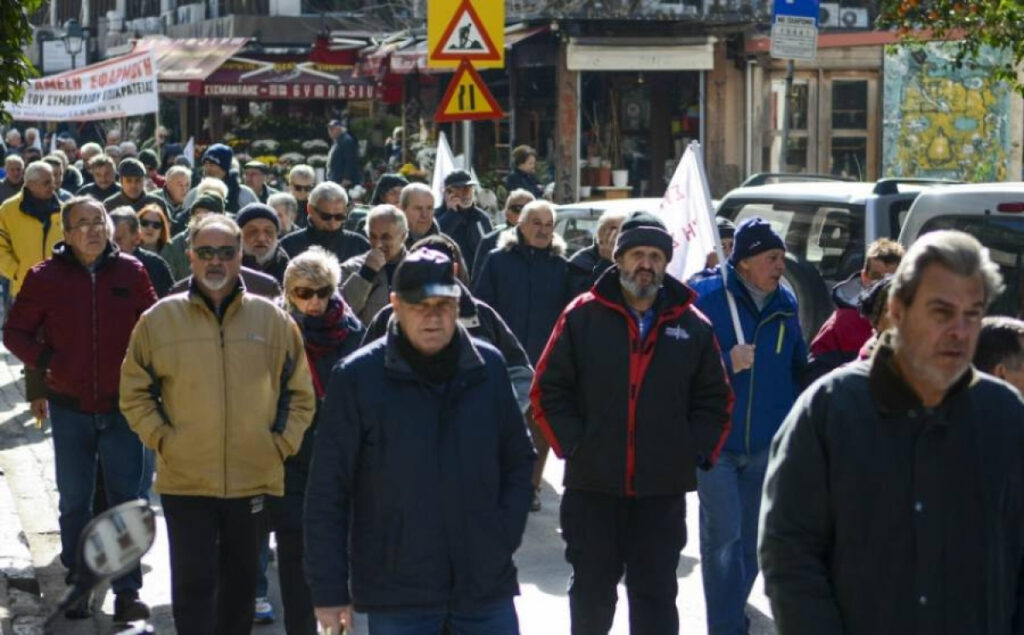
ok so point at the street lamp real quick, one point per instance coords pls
(74, 37)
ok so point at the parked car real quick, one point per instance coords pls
(577, 222)
(827, 225)
(991, 212)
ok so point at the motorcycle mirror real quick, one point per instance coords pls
(114, 541)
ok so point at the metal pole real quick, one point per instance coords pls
(467, 143)
(785, 115)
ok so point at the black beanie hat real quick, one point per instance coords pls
(252, 211)
(753, 236)
(131, 167)
(209, 201)
(643, 229)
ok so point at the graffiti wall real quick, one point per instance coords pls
(946, 122)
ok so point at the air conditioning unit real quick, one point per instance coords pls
(828, 15)
(850, 18)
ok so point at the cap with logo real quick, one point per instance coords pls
(423, 274)
(753, 236)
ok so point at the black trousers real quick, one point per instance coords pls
(299, 618)
(215, 548)
(605, 535)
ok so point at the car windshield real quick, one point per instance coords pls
(578, 231)
(1004, 238)
(830, 237)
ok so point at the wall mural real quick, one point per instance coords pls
(942, 121)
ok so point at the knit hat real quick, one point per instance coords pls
(131, 167)
(252, 211)
(220, 155)
(726, 228)
(643, 229)
(209, 201)
(385, 184)
(753, 236)
(149, 159)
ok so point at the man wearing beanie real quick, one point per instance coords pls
(765, 374)
(217, 163)
(261, 251)
(133, 189)
(630, 391)
(726, 232)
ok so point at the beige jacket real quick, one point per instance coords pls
(222, 402)
(365, 297)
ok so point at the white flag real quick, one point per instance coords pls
(444, 164)
(189, 151)
(53, 142)
(687, 213)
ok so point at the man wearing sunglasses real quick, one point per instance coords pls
(459, 216)
(328, 211)
(216, 382)
(133, 192)
(514, 204)
(301, 181)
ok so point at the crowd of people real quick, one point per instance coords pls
(383, 400)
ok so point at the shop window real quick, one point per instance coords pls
(849, 157)
(326, 6)
(850, 104)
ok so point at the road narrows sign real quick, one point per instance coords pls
(467, 98)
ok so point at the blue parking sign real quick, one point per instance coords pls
(798, 8)
(794, 29)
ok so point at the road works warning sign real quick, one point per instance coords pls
(471, 30)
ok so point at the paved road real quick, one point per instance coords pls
(26, 457)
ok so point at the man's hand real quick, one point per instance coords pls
(742, 357)
(375, 259)
(39, 408)
(335, 618)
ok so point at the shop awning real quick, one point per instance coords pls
(184, 64)
(413, 58)
(641, 54)
(287, 78)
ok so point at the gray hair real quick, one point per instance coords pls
(178, 170)
(328, 191)
(519, 193)
(214, 220)
(956, 251)
(125, 214)
(13, 158)
(92, 148)
(72, 203)
(607, 218)
(302, 170)
(414, 188)
(317, 265)
(212, 184)
(285, 200)
(536, 206)
(390, 213)
(12, 134)
(36, 170)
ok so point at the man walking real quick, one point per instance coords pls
(631, 392)
(215, 381)
(460, 217)
(328, 211)
(366, 279)
(255, 174)
(104, 183)
(71, 323)
(133, 190)
(893, 497)
(1001, 349)
(260, 228)
(417, 202)
(420, 482)
(587, 265)
(514, 204)
(343, 157)
(30, 225)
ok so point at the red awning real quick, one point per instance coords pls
(183, 65)
(413, 58)
(287, 78)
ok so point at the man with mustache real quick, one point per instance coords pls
(630, 391)
(893, 497)
(460, 217)
(262, 252)
(765, 373)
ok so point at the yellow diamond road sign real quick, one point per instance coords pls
(471, 30)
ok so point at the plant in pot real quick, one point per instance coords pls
(619, 175)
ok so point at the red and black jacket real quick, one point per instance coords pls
(73, 324)
(634, 418)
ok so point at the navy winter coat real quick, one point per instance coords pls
(466, 227)
(418, 492)
(342, 243)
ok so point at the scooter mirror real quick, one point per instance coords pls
(114, 541)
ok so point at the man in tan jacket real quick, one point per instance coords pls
(216, 382)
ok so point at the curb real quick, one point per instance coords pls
(20, 604)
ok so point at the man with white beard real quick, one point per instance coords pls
(260, 226)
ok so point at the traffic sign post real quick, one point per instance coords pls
(465, 30)
(795, 29)
(467, 98)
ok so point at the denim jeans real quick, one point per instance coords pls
(730, 502)
(78, 439)
(496, 619)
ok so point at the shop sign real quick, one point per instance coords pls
(291, 91)
(795, 29)
(467, 98)
(460, 30)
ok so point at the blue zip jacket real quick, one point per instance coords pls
(766, 392)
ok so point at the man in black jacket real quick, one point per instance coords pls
(133, 191)
(632, 393)
(459, 216)
(892, 502)
(261, 250)
(420, 481)
(587, 265)
(328, 211)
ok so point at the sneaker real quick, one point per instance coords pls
(264, 611)
(535, 503)
(80, 610)
(129, 608)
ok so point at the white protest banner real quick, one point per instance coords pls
(189, 151)
(444, 164)
(121, 87)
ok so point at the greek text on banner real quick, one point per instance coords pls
(121, 87)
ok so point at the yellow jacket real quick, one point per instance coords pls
(222, 402)
(24, 242)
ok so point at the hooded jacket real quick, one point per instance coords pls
(632, 417)
(765, 392)
(83, 320)
(528, 287)
(843, 334)
(25, 240)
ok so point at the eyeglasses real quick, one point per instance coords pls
(302, 188)
(341, 218)
(514, 208)
(85, 226)
(224, 253)
(152, 224)
(305, 293)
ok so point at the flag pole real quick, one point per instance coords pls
(696, 149)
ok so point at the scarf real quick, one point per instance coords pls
(323, 334)
(40, 209)
(438, 368)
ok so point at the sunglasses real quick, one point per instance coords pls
(302, 188)
(515, 208)
(225, 253)
(152, 224)
(305, 293)
(341, 218)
